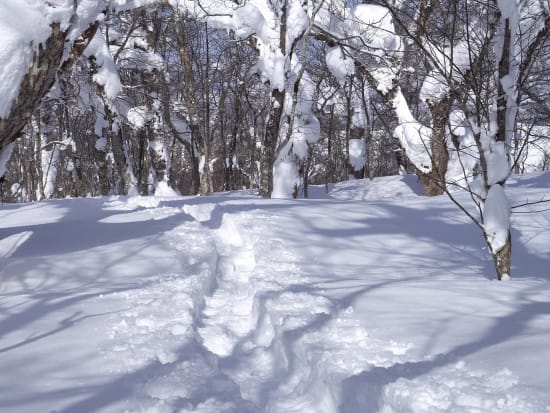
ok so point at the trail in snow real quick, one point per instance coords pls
(290, 348)
(157, 334)
(286, 347)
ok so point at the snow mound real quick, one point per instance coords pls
(378, 188)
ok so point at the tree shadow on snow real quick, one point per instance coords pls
(364, 392)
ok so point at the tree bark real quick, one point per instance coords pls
(40, 78)
(36, 83)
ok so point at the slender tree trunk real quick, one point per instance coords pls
(434, 182)
(270, 144)
(503, 256)
(194, 117)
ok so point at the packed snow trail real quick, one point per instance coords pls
(284, 344)
(363, 303)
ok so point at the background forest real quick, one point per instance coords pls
(162, 93)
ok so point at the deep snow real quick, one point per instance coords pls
(371, 298)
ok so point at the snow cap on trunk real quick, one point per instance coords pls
(414, 137)
(285, 176)
(107, 73)
(496, 217)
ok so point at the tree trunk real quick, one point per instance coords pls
(270, 144)
(503, 259)
(40, 78)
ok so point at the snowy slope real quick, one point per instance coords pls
(371, 298)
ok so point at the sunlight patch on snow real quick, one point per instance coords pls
(200, 212)
(119, 203)
(37, 213)
(10, 244)
(142, 215)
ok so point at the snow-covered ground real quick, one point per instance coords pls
(371, 298)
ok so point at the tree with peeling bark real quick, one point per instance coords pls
(61, 33)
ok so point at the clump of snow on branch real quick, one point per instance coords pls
(384, 77)
(101, 144)
(414, 137)
(498, 164)
(372, 27)
(50, 160)
(434, 87)
(297, 22)
(138, 116)
(248, 20)
(339, 65)
(463, 155)
(252, 19)
(107, 73)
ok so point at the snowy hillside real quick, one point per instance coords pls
(371, 298)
